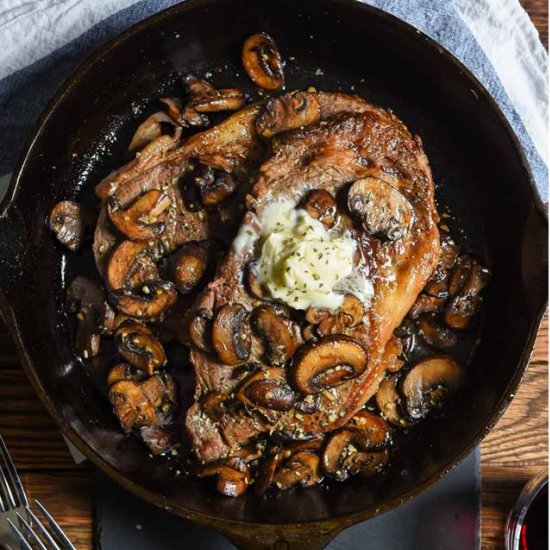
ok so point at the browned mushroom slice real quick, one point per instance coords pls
(94, 315)
(186, 117)
(320, 204)
(204, 98)
(309, 332)
(280, 334)
(267, 389)
(302, 467)
(144, 219)
(366, 464)
(426, 304)
(266, 472)
(150, 129)
(428, 384)
(123, 371)
(288, 112)
(348, 315)
(393, 353)
(161, 392)
(222, 188)
(71, 223)
(388, 402)
(460, 274)
(187, 266)
(153, 300)
(262, 62)
(200, 330)
(130, 265)
(140, 348)
(234, 478)
(231, 334)
(339, 446)
(382, 210)
(465, 303)
(435, 334)
(438, 283)
(327, 362)
(373, 428)
(131, 406)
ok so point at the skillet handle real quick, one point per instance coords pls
(273, 537)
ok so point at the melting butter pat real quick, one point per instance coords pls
(301, 262)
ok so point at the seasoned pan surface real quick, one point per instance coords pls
(481, 177)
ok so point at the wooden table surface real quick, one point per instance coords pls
(515, 450)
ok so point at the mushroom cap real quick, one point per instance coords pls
(428, 384)
(327, 362)
(262, 61)
(231, 334)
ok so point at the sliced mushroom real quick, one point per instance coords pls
(262, 62)
(151, 301)
(366, 464)
(301, 467)
(204, 98)
(428, 384)
(435, 334)
(131, 406)
(123, 371)
(426, 304)
(287, 112)
(187, 266)
(144, 219)
(281, 334)
(200, 330)
(150, 129)
(71, 223)
(326, 363)
(373, 428)
(348, 315)
(94, 316)
(438, 283)
(466, 301)
(231, 334)
(393, 354)
(140, 348)
(234, 478)
(186, 117)
(130, 265)
(388, 402)
(320, 204)
(382, 210)
(460, 274)
(223, 186)
(309, 332)
(161, 392)
(267, 389)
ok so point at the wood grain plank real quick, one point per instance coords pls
(68, 497)
(30, 433)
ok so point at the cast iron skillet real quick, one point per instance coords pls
(481, 175)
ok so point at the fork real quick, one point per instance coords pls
(14, 507)
(13, 500)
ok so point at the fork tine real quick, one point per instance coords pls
(30, 532)
(6, 490)
(55, 528)
(22, 540)
(12, 472)
(43, 530)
